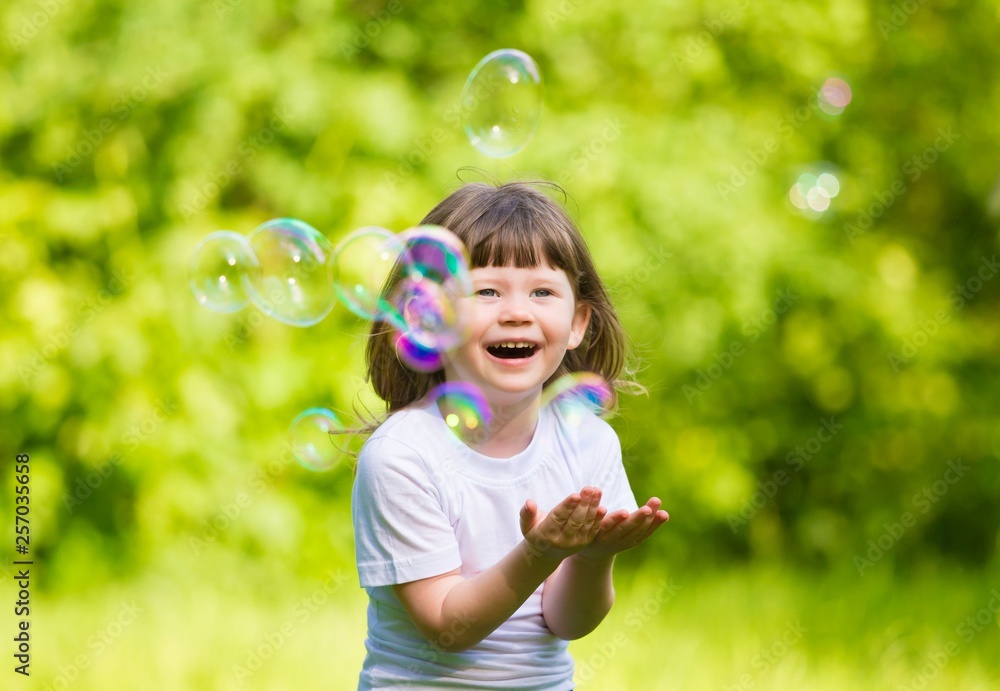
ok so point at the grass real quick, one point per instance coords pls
(758, 627)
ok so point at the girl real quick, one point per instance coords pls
(483, 558)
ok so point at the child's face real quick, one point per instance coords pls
(533, 308)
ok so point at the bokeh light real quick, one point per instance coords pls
(502, 102)
(834, 96)
(813, 191)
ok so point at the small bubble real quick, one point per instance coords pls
(318, 439)
(463, 407)
(578, 392)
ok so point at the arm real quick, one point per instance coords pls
(455, 613)
(580, 593)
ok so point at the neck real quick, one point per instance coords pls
(511, 431)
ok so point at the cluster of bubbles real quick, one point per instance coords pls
(467, 413)
(283, 267)
(813, 190)
(411, 281)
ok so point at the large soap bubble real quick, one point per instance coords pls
(363, 262)
(217, 265)
(295, 281)
(502, 102)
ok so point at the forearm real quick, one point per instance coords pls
(475, 607)
(578, 596)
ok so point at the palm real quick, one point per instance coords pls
(621, 531)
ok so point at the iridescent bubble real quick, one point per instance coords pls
(813, 191)
(463, 407)
(429, 314)
(502, 102)
(577, 392)
(437, 253)
(216, 266)
(416, 356)
(318, 439)
(834, 96)
(363, 263)
(295, 281)
(436, 269)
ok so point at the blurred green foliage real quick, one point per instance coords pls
(810, 379)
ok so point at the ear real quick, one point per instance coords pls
(581, 319)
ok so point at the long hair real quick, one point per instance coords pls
(512, 224)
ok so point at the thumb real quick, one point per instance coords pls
(528, 513)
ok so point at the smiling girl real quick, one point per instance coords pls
(483, 558)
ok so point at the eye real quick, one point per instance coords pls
(487, 292)
(542, 292)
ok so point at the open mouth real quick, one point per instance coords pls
(512, 350)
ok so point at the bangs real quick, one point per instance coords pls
(521, 232)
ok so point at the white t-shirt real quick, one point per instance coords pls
(424, 504)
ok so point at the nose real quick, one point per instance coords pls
(515, 310)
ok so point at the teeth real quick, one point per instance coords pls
(512, 344)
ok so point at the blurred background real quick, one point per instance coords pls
(795, 206)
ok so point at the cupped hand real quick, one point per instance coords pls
(620, 530)
(566, 529)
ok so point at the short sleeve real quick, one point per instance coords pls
(608, 471)
(401, 532)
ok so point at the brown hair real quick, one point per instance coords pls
(501, 225)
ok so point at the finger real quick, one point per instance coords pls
(638, 521)
(527, 516)
(659, 519)
(579, 518)
(592, 496)
(565, 509)
(595, 528)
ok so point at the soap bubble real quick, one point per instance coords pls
(577, 392)
(834, 96)
(216, 266)
(463, 407)
(435, 266)
(318, 439)
(295, 281)
(438, 254)
(502, 102)
(429, 314)
(363, 262)
(415, 356)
